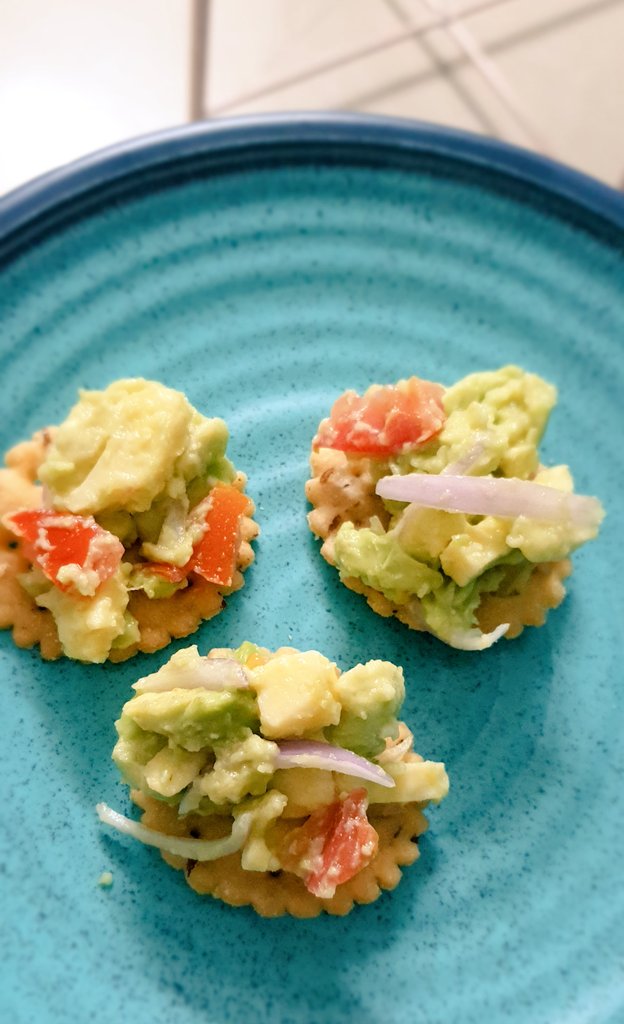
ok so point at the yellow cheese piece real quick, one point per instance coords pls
(296, 694)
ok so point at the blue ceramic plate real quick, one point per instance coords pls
(262, 267)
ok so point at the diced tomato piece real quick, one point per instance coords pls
(52, 540)
(214, 557)
(384, 420)
(332, 846)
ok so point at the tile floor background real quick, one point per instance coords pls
(77, 76)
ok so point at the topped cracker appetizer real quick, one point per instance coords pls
(273, 779)
(121, 528)
(432, 503)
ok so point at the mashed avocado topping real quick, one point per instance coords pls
(256, 747)
(380, 561)
(505, 411)
(104, 459)
(136, 464)
(448, 560)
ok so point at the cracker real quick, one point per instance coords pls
(342, 489)
(272, 894)
(543, 590)
(31, 625)
(160, 619)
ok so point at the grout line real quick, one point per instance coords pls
(198, 84)
(313, 70)
(499, 45)
(296, 36)
(447, 70)
(491, 74)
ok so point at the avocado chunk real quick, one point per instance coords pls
(134, 749)
(242, 768)
(371, 696)
(379, 560)
(194, 719)
(451, 609)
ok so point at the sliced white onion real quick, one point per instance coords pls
(174, 527)
(464, 464)
(492, 496)
(205, 674)
(397, 751)
(192, 849)
(474, 639)
(313, 754)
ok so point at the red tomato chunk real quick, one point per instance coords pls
(214, 556)
(333, 845)
(53, 540)
(385, 420)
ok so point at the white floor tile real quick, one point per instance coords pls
(77, 75)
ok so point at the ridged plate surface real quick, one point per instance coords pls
(262, 292)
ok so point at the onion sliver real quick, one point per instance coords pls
(192, 849)
(205, 674)
(465, 462)
(492, 496)
(474, 639)
(313, 754)
(397, 751)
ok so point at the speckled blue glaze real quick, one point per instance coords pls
(263, 291)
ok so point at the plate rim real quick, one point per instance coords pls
(24, 207)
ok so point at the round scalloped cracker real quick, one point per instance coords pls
(272, 894)
(30, 625)
(543, 590)
(342, 489)
(160, 619)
